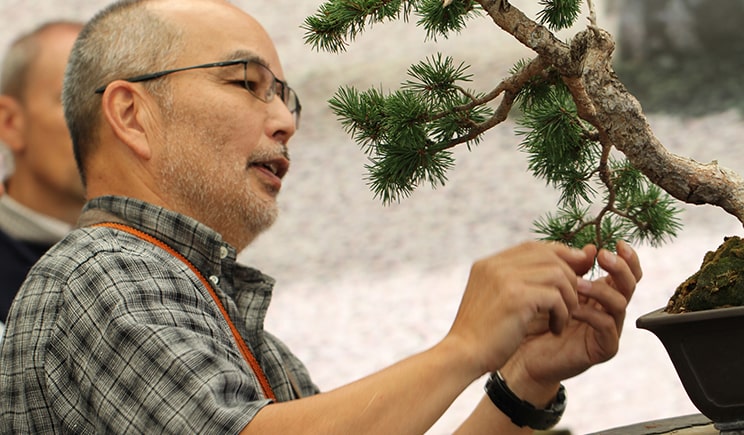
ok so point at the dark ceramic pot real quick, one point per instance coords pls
(707, 350)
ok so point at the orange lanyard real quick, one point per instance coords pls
(247, 354)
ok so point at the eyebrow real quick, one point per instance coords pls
(241, 54)
(247, 55)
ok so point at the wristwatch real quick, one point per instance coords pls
(521, 412)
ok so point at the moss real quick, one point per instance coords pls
(717, 284)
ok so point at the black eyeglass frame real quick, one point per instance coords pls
(287, 94)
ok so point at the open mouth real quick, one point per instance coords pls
(278, 167)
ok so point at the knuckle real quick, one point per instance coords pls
(556, 274)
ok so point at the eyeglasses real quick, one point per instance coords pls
(258, 79)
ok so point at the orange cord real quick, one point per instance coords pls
(247, 354)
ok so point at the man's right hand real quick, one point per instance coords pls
(523, 290)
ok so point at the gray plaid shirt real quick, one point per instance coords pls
(111, 334)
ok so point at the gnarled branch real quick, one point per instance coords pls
(603, 101)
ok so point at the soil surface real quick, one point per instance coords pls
(718, 283)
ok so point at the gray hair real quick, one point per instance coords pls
(21, 55)
(123, 40)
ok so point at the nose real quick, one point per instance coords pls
(281, 122)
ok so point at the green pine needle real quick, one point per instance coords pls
(436, 78)
(438, 20)
(408, 133)
(361, 114)
(338, 22)
(556, 145)
(400, 170)
(559, 14)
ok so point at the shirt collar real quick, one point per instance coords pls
(23, 223)
(200, 244)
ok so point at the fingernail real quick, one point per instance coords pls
(610, 258)
(622, 248)
(583, 285)
(578, 252)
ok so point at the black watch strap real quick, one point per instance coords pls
(523, 413)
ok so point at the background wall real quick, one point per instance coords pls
(361, 285)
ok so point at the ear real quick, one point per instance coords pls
(11, 123)
(127, 109)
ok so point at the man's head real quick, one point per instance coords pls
(196, 141)
(32, 123)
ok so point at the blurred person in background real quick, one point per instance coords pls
(43, 195)
(2, 173)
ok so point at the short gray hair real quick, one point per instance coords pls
(123, 40)
(21, 55)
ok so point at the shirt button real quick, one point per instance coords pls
(215, 279)
(223, 252)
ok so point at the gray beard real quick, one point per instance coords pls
(214, 199)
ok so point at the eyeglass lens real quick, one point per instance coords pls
(261, 82)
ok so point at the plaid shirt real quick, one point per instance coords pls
(111, 334)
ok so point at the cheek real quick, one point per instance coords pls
(240, 124)
(47, 121)
(224, 135)
(232, 149)
(48, 142)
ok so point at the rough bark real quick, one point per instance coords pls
(603, 101)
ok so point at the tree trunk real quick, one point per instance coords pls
(602, 100)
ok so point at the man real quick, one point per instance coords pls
(142, 322)
(2, 173)
(44, 192)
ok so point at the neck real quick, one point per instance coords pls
(64, 207)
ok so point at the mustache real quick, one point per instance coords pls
(264, 155)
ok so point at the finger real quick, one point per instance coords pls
(606, 332)
(580, 260)
(620, 274)
(539, 325)
(546, 309)
(554, 303)
(574, 263)
(604, 297)
(590, 251)
(591, 254)
(631, 258)
(559, 276)
(558, 319)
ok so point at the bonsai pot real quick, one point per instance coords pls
(707, 351)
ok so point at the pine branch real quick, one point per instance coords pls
(575, 109)
(510, 88)
(605, 103)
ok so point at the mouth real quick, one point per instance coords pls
(277, 167)
(271, 165)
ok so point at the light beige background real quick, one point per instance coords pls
(361, 285)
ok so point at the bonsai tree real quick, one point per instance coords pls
(583, 132)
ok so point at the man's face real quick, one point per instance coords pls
(224, 150)
(47, 153)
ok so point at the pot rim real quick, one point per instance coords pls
(660, 317)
